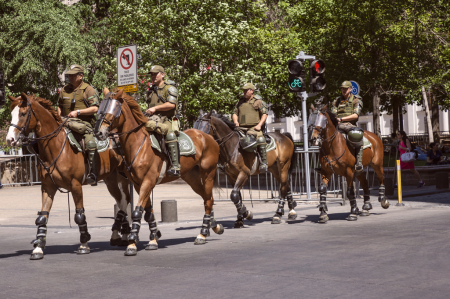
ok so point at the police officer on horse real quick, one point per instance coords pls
(162, 103)
(347, 108)
(251, 113)
(79, 101)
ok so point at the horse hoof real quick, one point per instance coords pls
(131, 251)
(249, 216)
(151, 246)
(218, 229)
(36, 256)
(323, 219)
(352, 217)
(385, 204)
(292, 217)
(84, 251)
(364, 213)
(238, 224)
(199, 241)
(276, 220)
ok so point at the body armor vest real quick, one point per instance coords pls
(154, 100)
(345, 108)
(75, 101)
(248, 115)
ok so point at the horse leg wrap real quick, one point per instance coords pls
(80, 219)
(120, 218)
(41, 235)
(150, 218)
(136, 216)
(291, 202)
(323, 198)
(354, 207)
(351, 193)
(280, 209)
(381, 193)
(206, 225)
(236, 198)
(367, 205)
(213, 221)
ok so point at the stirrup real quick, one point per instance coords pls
(173, 172)
(263, 167)
(359, 168)
(91, 179)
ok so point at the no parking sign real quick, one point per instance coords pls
(127, 65)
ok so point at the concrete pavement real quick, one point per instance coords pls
(401, 252)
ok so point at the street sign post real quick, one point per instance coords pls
(355, 90)
(127, 66)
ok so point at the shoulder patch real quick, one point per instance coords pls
(258, 97)
(173, 91)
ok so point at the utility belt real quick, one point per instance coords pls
(156, 123)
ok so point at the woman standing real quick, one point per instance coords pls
(405, 146)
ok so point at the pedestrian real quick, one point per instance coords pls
(435, 156)
(405, 146)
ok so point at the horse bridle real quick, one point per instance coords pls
(24, 128)
(197, 125)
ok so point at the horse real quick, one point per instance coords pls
(336, 157)
(146, 166)
(60, 166)
(239, 165)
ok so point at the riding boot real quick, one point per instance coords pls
(174, 154)
(91, 177)
(359, 156)
(262, 153)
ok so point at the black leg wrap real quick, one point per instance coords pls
(354, 208)
(41, 235)
(150, 218)
(280, 209)
(367, 205)
(136, 216)
(351, 193)
(323, 198)
(291, 202)
(206, 225)
(80, 219)
(242, 210)
(119, 220)
(213, 221)
(236, 197)
(381, 193)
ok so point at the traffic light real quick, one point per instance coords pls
(2, 89)
(316, 80)
(296, 80)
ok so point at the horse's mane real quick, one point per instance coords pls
(135, 109)
(49, 106)
(333, 117)
(225, 119)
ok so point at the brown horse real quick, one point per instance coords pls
(60, 166)
(239, 165)
(336, 157)
(146, 166)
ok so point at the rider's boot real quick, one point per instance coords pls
(174, 153)
(261, 141)
(359, 156)
(91, 177)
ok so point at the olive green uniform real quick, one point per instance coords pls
(165, 122)
(249, 115)
(346, 107)
(82, 97)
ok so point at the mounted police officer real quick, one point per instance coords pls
(162, 103)
(347, 108)
(251, 113)
(79, 101)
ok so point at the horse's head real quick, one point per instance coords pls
(109, 114)
(318, 123)
(203, 122)
(23, 120)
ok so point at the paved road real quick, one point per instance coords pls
(401, 252)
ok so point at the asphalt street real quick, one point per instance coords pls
(401, 252)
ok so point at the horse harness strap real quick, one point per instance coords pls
(123, 157)
(326, 156)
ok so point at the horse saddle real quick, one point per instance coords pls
(187, 147)
(77, 142)
(248, 143)
(366, 142)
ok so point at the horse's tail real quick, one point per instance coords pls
(288, 135)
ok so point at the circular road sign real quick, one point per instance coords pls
(127, 56)
(355, 89)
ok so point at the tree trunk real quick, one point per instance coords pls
(427, 113)
(376, 111)
(434, 117)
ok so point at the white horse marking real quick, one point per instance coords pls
(13, 133)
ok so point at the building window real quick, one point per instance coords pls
(364, 126)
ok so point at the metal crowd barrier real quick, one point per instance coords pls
(18, 170)
(264, 187)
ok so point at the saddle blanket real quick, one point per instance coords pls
(187, 147)
(366, 142)
(101, 145)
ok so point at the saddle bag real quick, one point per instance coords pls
(76, 126)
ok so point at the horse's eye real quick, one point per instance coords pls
(23, 114)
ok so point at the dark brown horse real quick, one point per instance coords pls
(239, 165)
(146, 166)
(336, 157)
(63, 167)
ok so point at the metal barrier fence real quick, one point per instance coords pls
(18, 170)
(264, 187)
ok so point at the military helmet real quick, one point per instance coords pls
(248, 86)
(156, 69)
(346, 84)
(75, 69)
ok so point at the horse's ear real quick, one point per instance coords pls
(119, 96)
(11, 98)
(201, 112)
(24, 98)
(208, 115)
(214, 111)
(105, 91)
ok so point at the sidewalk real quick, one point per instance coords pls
(413, 191)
